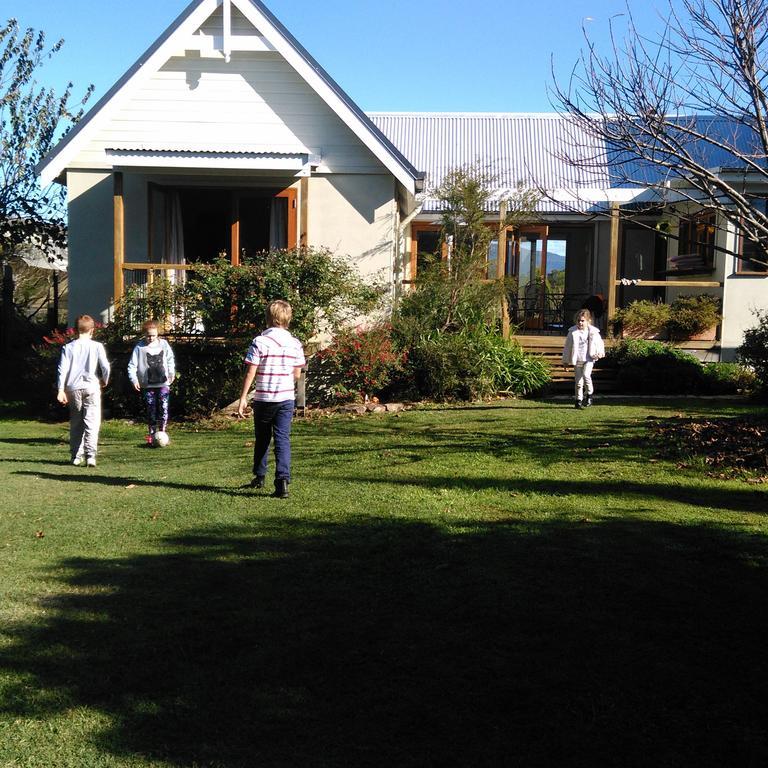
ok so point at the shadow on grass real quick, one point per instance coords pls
(33, 440)
(386, 643)
(747, 499)
(93, 477)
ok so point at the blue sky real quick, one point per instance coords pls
(411, 55)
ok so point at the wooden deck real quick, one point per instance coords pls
(551, 348)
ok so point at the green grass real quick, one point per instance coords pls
(514, 584)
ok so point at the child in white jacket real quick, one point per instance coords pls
(583, 347)
(151, 370)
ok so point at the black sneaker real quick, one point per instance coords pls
(281, 489)
(588, 402)
(257, 482)
(579, 405)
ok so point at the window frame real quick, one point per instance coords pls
(740, 259)
(694, 246)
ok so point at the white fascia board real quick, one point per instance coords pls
(325, 92)
(145, 68)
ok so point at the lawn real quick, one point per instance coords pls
(506, 584)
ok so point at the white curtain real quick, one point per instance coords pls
(278, 223)
(173, 252)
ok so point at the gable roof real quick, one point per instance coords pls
(276, 36)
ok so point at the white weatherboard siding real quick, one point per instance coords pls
(90, 244)
(256, 103)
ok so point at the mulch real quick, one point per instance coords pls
(729, 447)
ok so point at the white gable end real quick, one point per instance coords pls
(227, 80)
(255, 104)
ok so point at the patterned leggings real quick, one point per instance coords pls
(156, 401)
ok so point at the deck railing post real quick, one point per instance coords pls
(501, 265)
(613, 265)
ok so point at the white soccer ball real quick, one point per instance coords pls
(161, 439)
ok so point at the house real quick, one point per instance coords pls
(226, 138)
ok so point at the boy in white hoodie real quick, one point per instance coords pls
(583, 347)
(83, 370)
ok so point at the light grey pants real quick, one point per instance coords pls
(583, 374)
(84, 422)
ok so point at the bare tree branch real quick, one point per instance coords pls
(684, 113)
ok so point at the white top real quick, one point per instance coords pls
(580, 339)
(275, 354)
(152, 365)
(83, 366)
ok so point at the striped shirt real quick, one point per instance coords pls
(275, 354)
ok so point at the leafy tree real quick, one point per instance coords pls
(32, 119)
(453, 294)
(670, 111)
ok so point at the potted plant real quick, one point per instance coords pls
(643, 319)
(694, 318)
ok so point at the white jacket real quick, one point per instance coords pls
(595, 346)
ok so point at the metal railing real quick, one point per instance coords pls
(548, 313)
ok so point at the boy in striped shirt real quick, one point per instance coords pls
(274, 361)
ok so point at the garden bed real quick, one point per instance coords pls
(726, 445)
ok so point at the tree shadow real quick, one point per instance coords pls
(33, 441)
(747, 499)
(94, 477)
(378, 642)
(610, 439)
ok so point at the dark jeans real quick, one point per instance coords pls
(272, 420)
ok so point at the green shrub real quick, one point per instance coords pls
(467, 366)
(357, 363)
(210, 376)
(754, 350)
(692, 315)
(685, 317)
(323, 289)
(727, 379)
(220, 299)
(652, 367)
(643, 318)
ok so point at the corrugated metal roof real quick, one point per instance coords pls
(538, 151)
(511, 148)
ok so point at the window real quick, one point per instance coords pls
(425, 246)
(752, 258)
(197, 225)
(696, 244)
(510, 264)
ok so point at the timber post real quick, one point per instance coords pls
(501, 265)
(613, 265)
(119, 235)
